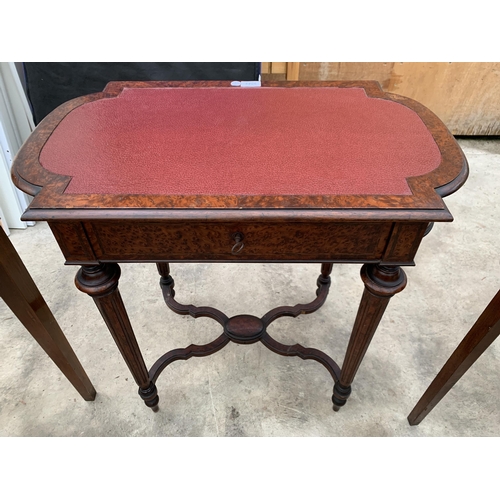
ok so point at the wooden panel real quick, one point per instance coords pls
(73, 241)
(404, 242)
(201, 241)
(463, 95)
(274, 71)
(278, 67)
(381, 72)
(292, 71)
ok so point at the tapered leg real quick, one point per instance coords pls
(485, 330)
(22, 296)
(381, 283)
(101, 283)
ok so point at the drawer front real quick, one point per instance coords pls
(216, 241)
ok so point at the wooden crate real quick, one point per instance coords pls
(466, 96)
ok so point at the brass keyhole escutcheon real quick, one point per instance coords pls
(238, 246)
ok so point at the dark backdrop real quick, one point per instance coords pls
(50, 84)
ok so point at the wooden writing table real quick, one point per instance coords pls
(327, 172)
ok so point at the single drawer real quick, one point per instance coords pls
(230, 241)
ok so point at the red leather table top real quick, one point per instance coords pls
(241, 141)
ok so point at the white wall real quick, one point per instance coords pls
(16, 124)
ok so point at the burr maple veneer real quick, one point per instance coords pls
(327, 172)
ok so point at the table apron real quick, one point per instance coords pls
(388, 242)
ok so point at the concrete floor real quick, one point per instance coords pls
(248, 390)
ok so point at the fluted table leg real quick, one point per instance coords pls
(101, 283)
(381, 283)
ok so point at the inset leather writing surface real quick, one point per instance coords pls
(241, 141)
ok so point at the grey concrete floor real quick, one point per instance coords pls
(248, 390)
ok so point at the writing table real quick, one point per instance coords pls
(327, 172)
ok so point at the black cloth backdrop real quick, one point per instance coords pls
(50, 84)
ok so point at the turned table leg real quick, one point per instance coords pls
(101, 283)
(381, 283)
(22, 296)
(326, 269)
(166, 279)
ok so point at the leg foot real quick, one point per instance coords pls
(340, 395)
(150, 396)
